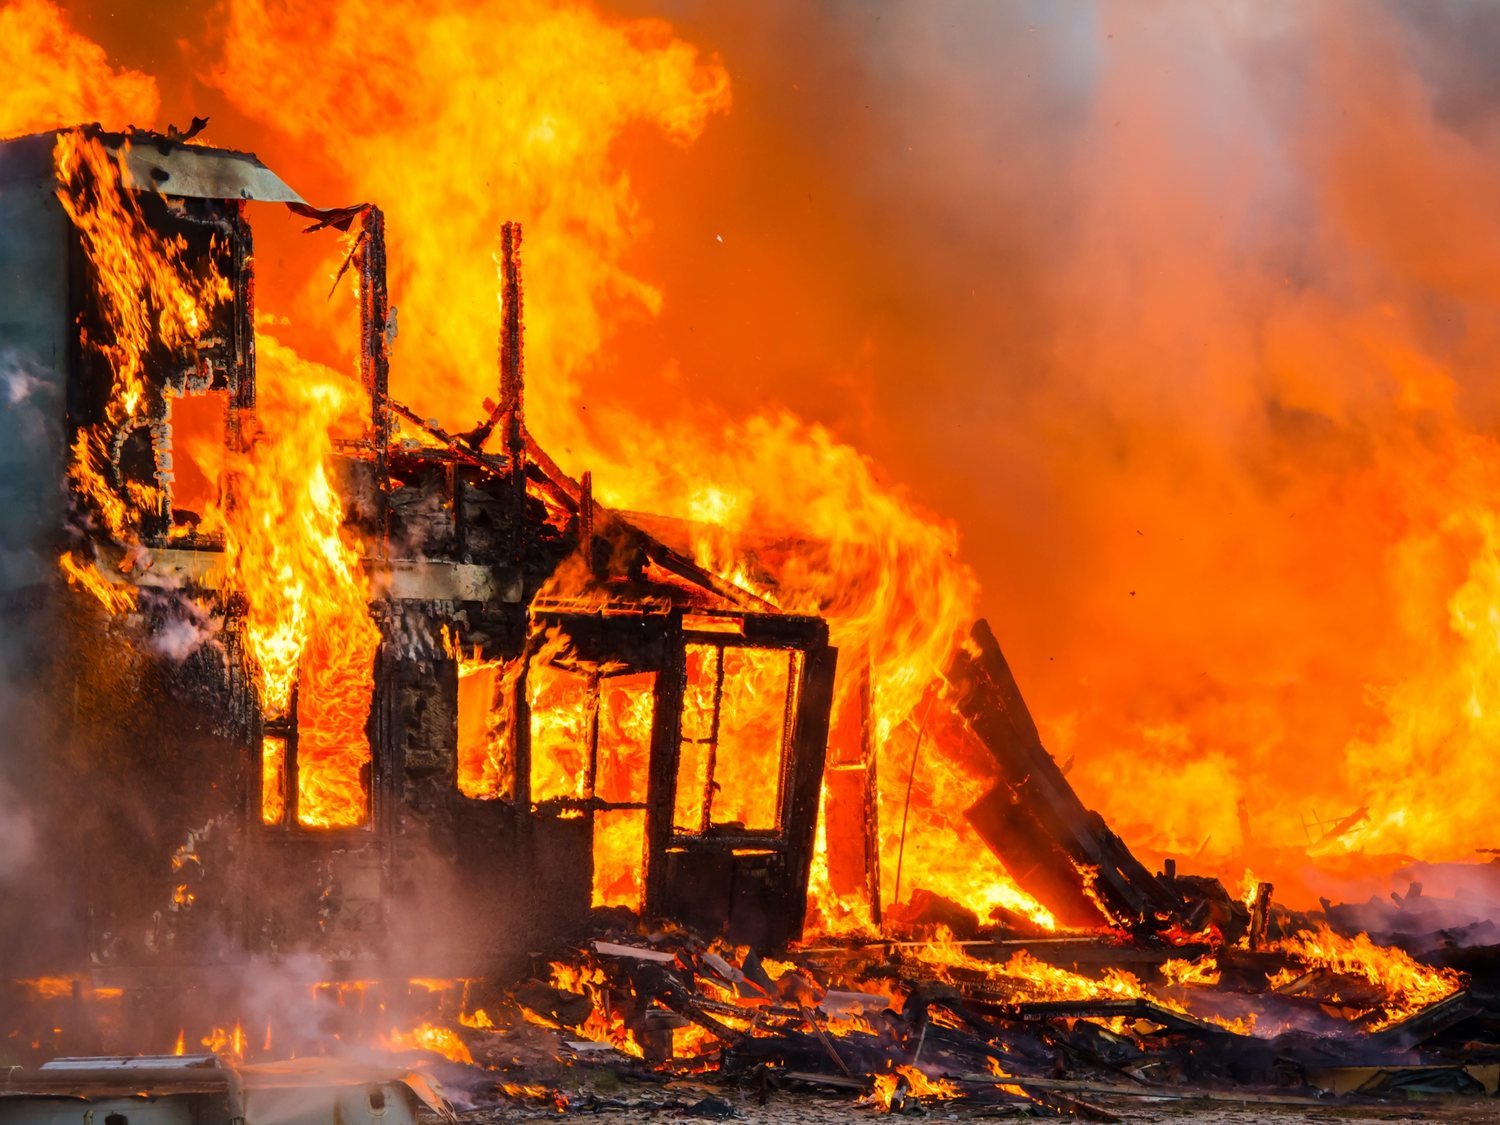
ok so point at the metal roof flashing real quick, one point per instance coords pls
(154, 162)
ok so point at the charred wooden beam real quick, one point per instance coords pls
(808, 750)
(452, 443)
(608, 523)
(1431, 1020)
(375, 329)
(512, 387)
(1260, 915)
(850, 807)
(1033, 819)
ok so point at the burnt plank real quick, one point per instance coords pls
(1064, 837)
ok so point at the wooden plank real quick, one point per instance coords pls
(1067, 838)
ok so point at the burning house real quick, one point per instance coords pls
(311, 679)
(439, 682)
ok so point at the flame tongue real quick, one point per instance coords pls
(148, 298)
(1407, 985)
(889, 1091)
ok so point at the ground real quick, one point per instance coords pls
(786, 1108)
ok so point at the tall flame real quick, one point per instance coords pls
(455, 122)
(307, 619)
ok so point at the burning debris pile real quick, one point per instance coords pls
(373, 710)
(1043, 1024)
(1079, 1026)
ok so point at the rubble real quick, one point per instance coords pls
(902, 1026)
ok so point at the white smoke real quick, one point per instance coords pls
(184, 627)
(17, 835)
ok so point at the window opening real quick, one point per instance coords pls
(191, 464)
(315, 760)
(273, 779)
(487, 727)
(738, 705)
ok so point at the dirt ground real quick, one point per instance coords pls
(783, 1108)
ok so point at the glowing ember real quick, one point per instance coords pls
(48, 988)
(546, 1095)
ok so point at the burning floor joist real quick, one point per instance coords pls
(338, 717)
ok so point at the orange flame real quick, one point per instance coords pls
(1407, 985)
(55, 77)
(604, 1025)
(534, 1093)
(48, 988)
(915, 1082)
(1180, 971)
(625, 712)
(148, 296)
(272, 779)
(486, 716)
(228, 1042)
(881, 569)
(529, 133)
(431, 1037)
(1027, 978)
(884, 571)
(560, 718)
(1249, 889)
(115, 598)
(307, 621)
(733, 717)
